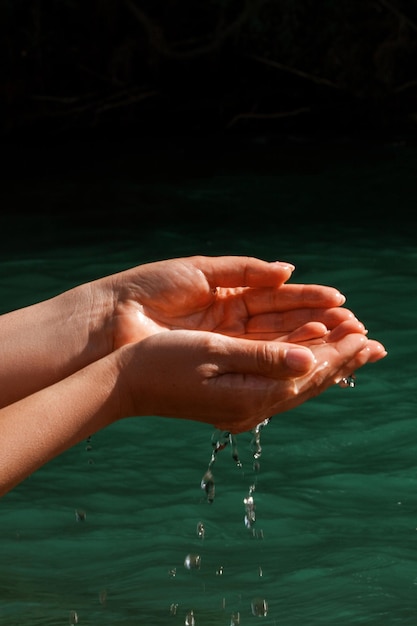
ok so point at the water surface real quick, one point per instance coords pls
(101, 534)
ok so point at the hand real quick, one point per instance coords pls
(233, 383)
(235, 296)
(220, 340)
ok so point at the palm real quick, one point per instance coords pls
(179, 295)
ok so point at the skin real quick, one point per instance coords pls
(222, 340)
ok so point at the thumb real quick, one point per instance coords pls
(270, 359)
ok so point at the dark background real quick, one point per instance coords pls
(159, 68)
(104, 102)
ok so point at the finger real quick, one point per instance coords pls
(331, 359)
(287, 321)
(289, 297)
(241, 271)
(374, 351)
(267, 359)
(377, 351)
(334, 361)
(350, 325)
(311, 331)
(346, 327)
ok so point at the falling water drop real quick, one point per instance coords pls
(80, 515)
(207, 483)
(192, 561)
(201, 530)
(256, 440)
(102, 597)
(250, 516)
(259, 607)
(219, 440)
(235, 619)
(235, 453)
(189, 619)
(73, 618)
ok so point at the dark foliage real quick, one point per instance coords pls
(204, 66)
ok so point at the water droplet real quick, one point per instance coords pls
(256, 440)
(219, 572)
(235, 453)
(192, 561)
(172, 572)
(220, 439)
(189, 619)
(173, 609)
(235, 619)
(259, 607)
(250, 516)
(80, 515)
(207, 483)
(102, 597)
(201, 530)
(348, 381)
(73, 618)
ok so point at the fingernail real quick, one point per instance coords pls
(341, 297)
(286, 265)
(299, 359)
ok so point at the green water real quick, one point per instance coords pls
(335, 539)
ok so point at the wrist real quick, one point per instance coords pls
(96, 300)
(133, 384)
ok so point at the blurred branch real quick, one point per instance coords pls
(93, 103)
(159, 42)
(409, 85)
(268, 116)
(292, 70)
(399, 14)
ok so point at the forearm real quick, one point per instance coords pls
(46, 342)
(39, 427)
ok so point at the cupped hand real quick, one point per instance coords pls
(231, 295)
(234, 383)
